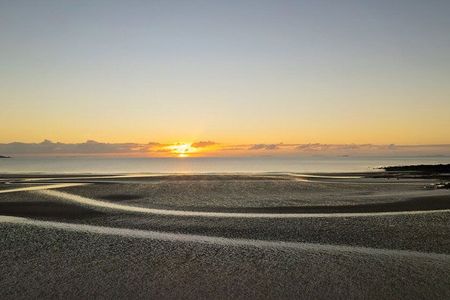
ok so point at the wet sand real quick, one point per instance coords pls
(254, 235)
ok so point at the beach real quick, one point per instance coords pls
(258, 235)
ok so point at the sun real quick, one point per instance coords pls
(182, 150)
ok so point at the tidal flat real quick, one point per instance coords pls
(260, 235)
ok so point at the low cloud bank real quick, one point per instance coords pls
(264, 147)
(203, 144)
(353, 149)
(89, 147)
(94, 148)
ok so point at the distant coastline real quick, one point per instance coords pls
(4, 156)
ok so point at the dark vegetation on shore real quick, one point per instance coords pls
(440, 172)
(441, 168)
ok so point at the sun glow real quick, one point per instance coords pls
(182, 150)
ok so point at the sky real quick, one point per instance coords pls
(232, 72)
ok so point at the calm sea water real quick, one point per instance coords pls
(206, 165)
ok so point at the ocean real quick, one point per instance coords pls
(206, 165)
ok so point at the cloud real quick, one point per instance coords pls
(203, 144)
(264, 147)
(341, 147)
(95, 148)
(373, 149)
(88, 147)
(312, 147)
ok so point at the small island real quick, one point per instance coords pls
(4, 156)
